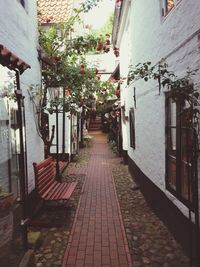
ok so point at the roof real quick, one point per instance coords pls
(116, 22)
(54, 11)
(11, 61)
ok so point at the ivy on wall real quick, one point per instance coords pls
(181, 90)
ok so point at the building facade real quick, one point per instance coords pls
(19, 68)
(19, 35)
(162, 152)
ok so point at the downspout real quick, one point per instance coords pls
(63, 135)
(77, 129)
(196, 202)
(22, 161)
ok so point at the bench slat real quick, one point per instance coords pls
(48, 193)
(44, 163)
(69, 192)
(48, 188)
(44, 193)
(56, 194)
(41, 181)
(42, 172)
(45, 188)
(65, 193)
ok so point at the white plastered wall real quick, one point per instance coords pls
(124, 43)
(19, 33)
(153, 37)
(52, 121)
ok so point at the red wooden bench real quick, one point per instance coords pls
(46, 185)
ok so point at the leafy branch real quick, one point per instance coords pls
(181, 90)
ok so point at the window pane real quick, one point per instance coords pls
(5, 153)
(9, 135)
(186, 159)
(171, 144)
(186, 117)
(170, 5)
(171, 125)
(171, 171)
(186, 144)
(172, 141)
(132, 128)
(172, 113)
(185, 177)
(15, 152)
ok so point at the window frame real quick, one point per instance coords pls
(179, 182)
(165, 9)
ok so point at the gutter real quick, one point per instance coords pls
(116, 23)
(120, 18)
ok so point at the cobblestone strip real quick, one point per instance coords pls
(150, 242)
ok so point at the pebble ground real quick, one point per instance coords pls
(150, 242)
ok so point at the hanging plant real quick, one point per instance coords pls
(118, 4)
(116, 51)
(82, 71)
(100, 45)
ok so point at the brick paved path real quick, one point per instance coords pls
(98, 237)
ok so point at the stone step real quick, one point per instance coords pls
(90, 128)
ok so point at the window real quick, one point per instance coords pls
(22, 2)
(167, 6)
(179, 140)
(9, 135)
(132, 127)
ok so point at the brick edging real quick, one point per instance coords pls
(65, 256)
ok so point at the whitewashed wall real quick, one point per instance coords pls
(124, 42)
(19, 33)
(52, 121)
(153, 37)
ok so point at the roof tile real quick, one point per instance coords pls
(55, 11)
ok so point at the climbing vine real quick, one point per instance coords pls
(64, 66)
(181, 90)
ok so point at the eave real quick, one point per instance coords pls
(11, 61)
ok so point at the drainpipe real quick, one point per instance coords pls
(81, 128)
(58, 177)
(77, 129)
(63, 141)
(196, 203)
(22, 161)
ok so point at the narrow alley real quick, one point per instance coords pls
(113, 225)
(98, 236)
(99, 133)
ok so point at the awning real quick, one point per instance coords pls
(11, 61)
